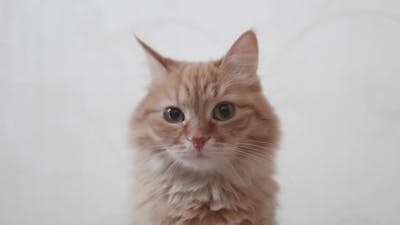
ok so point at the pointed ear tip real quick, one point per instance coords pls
(251, 32)
(138, 39)
(250, 38)
(144, 45)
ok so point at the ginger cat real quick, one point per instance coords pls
(205, 139)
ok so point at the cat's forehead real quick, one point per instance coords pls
(194, 77)
(198, 83)
(195, 87)
(196, 71)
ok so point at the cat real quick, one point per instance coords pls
(205, 139)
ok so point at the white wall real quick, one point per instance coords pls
(71, 73)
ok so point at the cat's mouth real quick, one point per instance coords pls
(203, 159)
(198, 160)
(193, 155)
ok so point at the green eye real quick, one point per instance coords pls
(223, 111)
(173, 115)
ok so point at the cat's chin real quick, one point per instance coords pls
(197, 161)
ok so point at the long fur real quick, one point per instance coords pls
(234, 184)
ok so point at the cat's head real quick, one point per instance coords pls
(207, 115)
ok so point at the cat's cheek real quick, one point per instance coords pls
(236, 128)
(165, 132)
(156, 164)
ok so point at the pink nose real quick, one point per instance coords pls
(198, 142)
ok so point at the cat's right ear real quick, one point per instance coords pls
(158, 65)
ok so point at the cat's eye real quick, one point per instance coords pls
(223, 111)
(173, 115)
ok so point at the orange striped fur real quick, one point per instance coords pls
(231, 183)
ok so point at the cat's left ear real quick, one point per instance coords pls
(242, 57)
(158, 64)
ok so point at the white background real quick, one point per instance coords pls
(71, 74)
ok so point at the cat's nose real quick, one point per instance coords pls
(198, 142)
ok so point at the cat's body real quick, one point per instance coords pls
(209, 161)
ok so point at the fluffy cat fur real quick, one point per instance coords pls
(228, 182)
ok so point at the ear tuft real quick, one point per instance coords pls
(158, 64)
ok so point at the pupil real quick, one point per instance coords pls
(224, 110)
(174, 114)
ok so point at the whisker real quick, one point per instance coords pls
(257, 142)
(251, 152)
